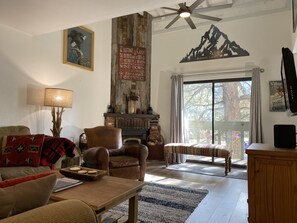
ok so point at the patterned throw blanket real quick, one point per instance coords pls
(54, 148)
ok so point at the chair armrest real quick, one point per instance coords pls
(97, 157)
(139, 151)
(117, 152)
(67, 211)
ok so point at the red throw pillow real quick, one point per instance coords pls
(14, 181)
(22, 150)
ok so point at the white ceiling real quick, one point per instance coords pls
(36, 17)
(239, 9)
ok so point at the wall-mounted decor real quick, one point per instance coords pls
(131, 31)
(214, 45)
(131, 63)
(294, 14)
(276, 94)
(79, 47)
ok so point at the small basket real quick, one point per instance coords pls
(69, 172)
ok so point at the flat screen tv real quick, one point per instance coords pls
(289, 79)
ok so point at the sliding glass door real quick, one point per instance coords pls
(218, 111)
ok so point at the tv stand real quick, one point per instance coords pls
(272, 184)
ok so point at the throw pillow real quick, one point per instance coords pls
(14, 181)
(26, 195)
(21, 171)
(22, 150)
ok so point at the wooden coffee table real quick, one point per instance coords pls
(104, 194)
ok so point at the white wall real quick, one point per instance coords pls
(29, 64)
(262, 36)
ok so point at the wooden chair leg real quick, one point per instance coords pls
(226, 166)
(166, 158)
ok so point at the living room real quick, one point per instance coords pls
(31, 62)
(35, 62)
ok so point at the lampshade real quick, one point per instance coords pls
(58, 97)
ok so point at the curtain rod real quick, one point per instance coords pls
(222, 72)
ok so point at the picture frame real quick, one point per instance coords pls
(294, 14)
(276, 96)
(78, 49)
(132, 63)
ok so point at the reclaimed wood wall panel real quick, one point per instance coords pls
(136, 31)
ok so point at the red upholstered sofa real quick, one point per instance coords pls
(23, 154)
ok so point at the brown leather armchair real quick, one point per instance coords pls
(106, 152)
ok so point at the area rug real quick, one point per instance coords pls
(208, 169)
(164, 204)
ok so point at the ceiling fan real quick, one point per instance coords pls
(186, 12)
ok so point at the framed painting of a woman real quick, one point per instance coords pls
(79, 47)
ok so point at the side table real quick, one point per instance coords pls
(156, 152)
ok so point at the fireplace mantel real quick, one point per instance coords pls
(130, 121)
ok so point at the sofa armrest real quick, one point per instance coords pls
(67, 211)
(97, 157)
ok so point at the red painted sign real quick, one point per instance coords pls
(131, 63)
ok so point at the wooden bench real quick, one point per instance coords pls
(210, 150)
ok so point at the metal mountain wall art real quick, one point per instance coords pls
(214, 45)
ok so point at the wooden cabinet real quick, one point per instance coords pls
(156, 152)
(272, 184)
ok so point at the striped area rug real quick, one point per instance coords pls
(159, 203)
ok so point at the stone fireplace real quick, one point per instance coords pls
(131, 49)
(132, 125)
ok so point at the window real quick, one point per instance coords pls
(218, 111)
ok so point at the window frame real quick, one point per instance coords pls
(213, 82)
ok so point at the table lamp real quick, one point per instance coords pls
(58, 99)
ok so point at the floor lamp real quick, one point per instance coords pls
(58, 99)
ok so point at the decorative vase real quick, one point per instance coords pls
(131, 107)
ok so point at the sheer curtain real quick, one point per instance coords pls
(255, 135)
(176, 116)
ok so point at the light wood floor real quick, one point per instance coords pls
(226, 201)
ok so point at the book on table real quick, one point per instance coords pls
(65, 183)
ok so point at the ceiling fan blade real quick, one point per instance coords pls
(161, 16)
(172, 22)
(216, 7)
(183, 6)
(200, 16)
(169, 9)
(190, 22)
(195, 4)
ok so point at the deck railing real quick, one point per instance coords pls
(234, 134)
